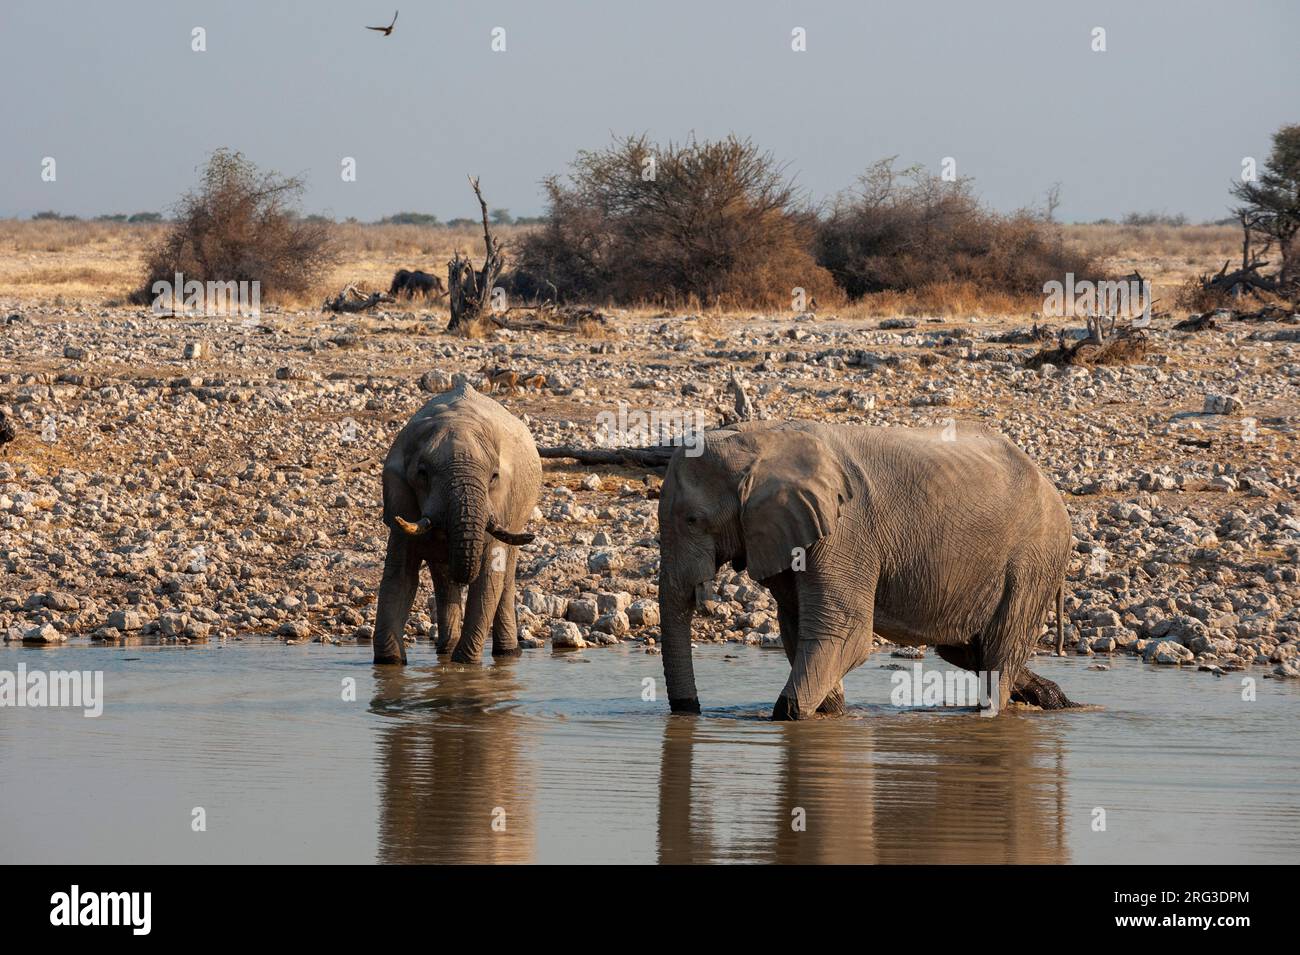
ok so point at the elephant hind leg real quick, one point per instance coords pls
(1040, 691)
(1005, 644)
(1028, 687)
(970, 656)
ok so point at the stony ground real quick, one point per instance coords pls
(209, 479)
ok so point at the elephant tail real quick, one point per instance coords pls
(1060, 620)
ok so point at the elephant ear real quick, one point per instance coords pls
(790, 497)
(399, 500)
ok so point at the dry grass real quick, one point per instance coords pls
(944, 299)
(1162, 253)
(98, 262)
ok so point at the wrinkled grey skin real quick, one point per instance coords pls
(960, 544)
(460, 482)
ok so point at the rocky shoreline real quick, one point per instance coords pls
(207, 479)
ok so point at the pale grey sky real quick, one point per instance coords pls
(1011, 90)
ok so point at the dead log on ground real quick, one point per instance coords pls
(567, 319)
(1128, 345)
(655, 456)
(1241, 281)
(351, 299)
(1268, 313)
(1197, 323)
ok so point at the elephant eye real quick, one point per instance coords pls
(495, 475)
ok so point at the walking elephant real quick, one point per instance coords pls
(944, 537)
(459, 483)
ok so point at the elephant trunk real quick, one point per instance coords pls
(676, 610)
(468, 522)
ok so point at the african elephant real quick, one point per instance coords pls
(946, 537)
(463, 470)
(409, 284)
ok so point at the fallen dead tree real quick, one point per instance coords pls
(352, 299)
(1242, 281)
(1267, 313)
(1199, 323)
(654, 456)
(1127, 345)
(551, 318)
(1210, 320)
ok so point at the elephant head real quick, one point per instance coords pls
(756, 498)
(449, 476)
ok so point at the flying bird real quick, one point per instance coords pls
(386, 31)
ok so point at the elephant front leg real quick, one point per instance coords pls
(814, 685)
(835, 626)
(505, 628)
(480, 613)
(787, 615)
(448, 604)
(396, 594)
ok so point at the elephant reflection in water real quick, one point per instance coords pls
(912, 788)
(455, 785)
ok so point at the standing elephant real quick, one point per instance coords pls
(462, 472)
(951, 538)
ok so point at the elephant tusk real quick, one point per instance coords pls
(413, 529)
(506, 536)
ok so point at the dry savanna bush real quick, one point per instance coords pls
(714, 223)
(917, 239)
(240, 225)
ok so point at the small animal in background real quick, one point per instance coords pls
(7, 431)
(388, 30)
(512, 381)
(408, 284)
(501, 378)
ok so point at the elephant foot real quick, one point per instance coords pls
(686, 705)
(1035, 690)
(834, 704)
(390, 651)
(507, 652)
(785, 709)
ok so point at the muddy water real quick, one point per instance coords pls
(557, 758)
